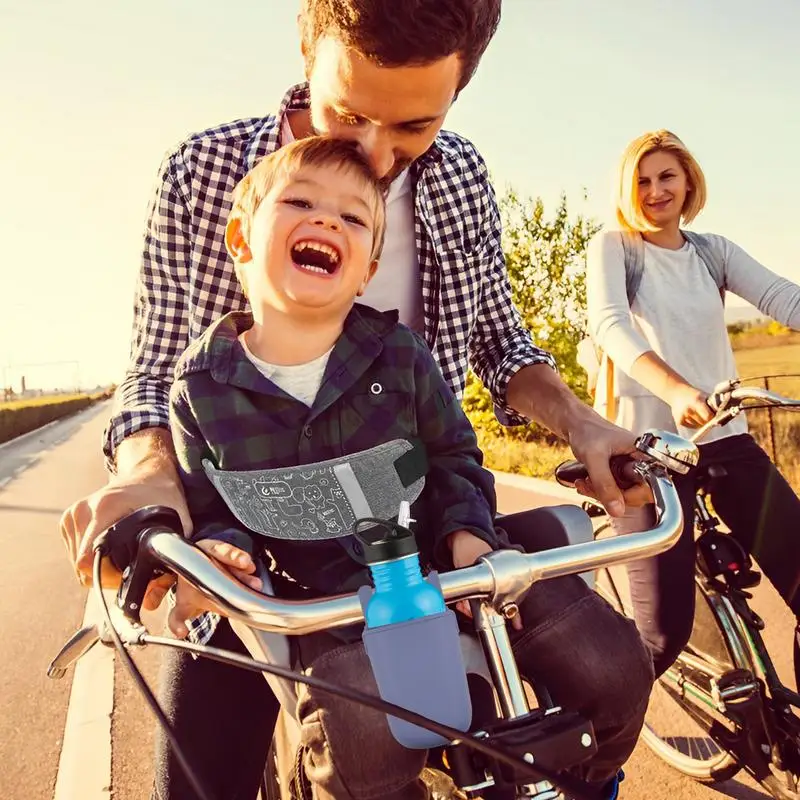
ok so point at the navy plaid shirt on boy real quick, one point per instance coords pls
(187, 280)
(223, 409)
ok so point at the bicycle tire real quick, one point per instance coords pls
(677, 750)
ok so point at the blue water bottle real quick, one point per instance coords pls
(401, 593)
(411, 637)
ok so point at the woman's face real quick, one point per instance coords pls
(663, 188)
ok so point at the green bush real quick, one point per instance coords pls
(19, 418)
(546, 260)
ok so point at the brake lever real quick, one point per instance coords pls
(80, 643)
(721, 395)
(122, 543)
(84, 639)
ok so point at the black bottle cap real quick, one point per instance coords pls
(383, 540)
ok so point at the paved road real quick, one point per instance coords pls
(39, 476)
(40, 600)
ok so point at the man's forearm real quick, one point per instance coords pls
(538, 393)
(147, 450)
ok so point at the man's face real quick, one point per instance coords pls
(311, 241)
(394, 113)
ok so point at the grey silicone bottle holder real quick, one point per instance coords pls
(418, 665)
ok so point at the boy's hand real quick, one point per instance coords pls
(189, 602)
(467, 548)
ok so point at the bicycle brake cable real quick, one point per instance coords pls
(573, 786)
(141, 684)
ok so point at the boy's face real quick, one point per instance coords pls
(311, 242)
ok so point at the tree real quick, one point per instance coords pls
(546, 261)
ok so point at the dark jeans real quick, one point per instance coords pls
(762, 513)
(223, 718)
(590, 658)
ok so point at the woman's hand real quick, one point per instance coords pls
(689, 406)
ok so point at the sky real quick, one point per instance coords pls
(93, 93)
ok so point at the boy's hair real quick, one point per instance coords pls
(314, 151)
(630, 214)
(396, 33)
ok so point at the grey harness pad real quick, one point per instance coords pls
(322, 500)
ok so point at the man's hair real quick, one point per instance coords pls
(313, 151)
(630, 213)
(395, 33)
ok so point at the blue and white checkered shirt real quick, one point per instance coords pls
(187, 280)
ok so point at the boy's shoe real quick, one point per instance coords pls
(613, 786)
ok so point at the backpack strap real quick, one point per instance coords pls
(633, 248)
(711, 257)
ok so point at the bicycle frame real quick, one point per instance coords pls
(494, 586)
(751, 695)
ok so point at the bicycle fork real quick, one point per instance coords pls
(491, 627)
(551, 735)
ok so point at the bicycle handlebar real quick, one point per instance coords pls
(503, 576)
(729, 398)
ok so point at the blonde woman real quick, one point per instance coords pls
(667, 339)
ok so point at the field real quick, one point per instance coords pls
(783, 443)
(755, 357)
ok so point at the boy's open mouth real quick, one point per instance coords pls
(314, 256)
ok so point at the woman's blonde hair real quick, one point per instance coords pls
(630, 214)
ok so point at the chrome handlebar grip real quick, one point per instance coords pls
(742, 393)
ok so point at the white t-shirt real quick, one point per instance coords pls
(301, 381)
(397, 283)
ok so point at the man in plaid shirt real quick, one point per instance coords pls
(384, 74)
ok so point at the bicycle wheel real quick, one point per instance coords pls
(676, 729)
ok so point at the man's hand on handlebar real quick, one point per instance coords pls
(189, 602)
(146, 475)
(87, 518)
(595, 442)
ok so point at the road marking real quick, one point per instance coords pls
(84, 769)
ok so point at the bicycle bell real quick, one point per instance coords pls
(670, 450)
